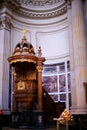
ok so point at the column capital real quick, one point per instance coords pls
(69, 3)
(5, 23)
(39, 68)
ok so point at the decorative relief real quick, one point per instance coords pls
(21, 85)
(41, 14)
(16, 6)
(22, 58)
(5, 23)
(69, 3)
(46, 13)
(39, 2)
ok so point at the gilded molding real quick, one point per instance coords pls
(22, 58)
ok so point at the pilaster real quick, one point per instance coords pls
(5, 27)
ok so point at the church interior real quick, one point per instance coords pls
(43, 61)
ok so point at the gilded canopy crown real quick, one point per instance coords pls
(23, 52)
(24, 47)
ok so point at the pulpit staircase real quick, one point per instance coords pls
(51, 109)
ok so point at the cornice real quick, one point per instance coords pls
(56, 8)
(42, 3)
(42, 14)
(34, 13)
(51, 12)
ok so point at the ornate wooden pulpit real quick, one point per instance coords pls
(27, 79)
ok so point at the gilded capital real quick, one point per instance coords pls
(39, 68)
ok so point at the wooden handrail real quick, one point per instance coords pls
(82, 123)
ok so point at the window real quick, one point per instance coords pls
(56, 81)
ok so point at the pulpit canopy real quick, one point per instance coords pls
(24, 53)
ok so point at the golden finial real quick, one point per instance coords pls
(39, 52)
(24, 31)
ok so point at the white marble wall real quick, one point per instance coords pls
(53, 39)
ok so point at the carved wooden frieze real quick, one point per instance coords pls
(22, 58)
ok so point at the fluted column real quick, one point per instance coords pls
(80, 58)
(70, 37)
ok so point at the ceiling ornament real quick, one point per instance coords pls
(42, 9)
(39, 2)
(38, 9)
(42, 15)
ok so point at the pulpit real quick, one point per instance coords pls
(27, 82)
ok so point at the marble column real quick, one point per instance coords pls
(79, 105)
(71, 50)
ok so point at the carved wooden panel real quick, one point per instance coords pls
(25, 86)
